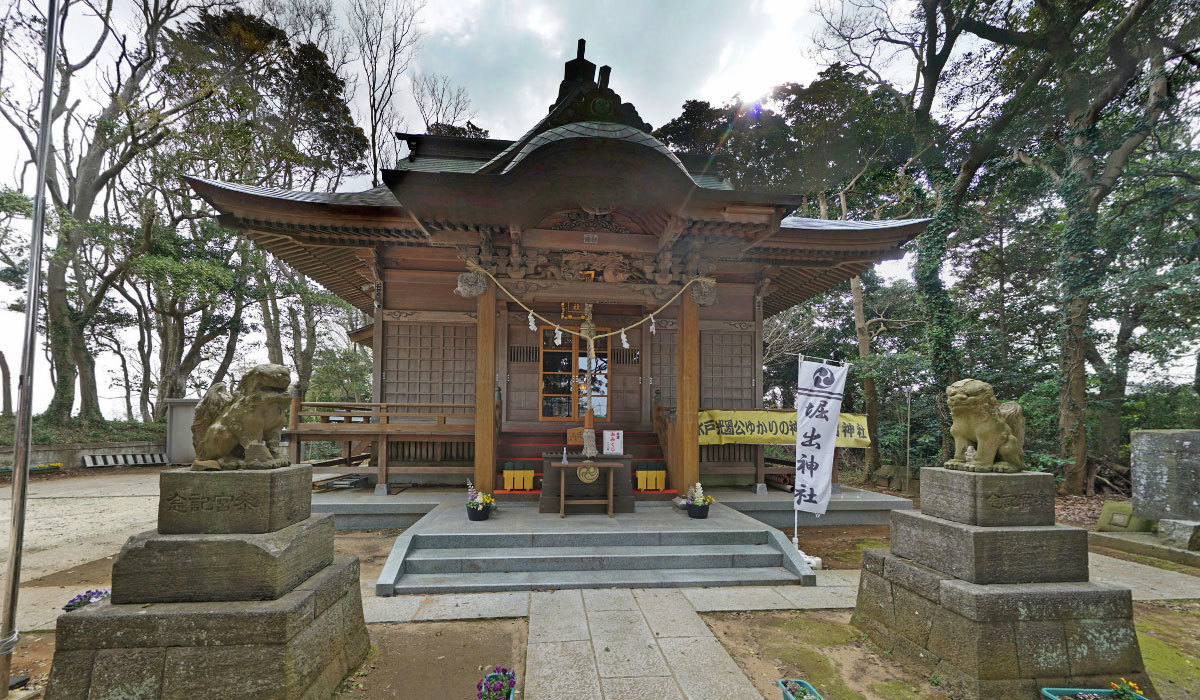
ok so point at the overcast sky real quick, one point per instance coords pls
(509, 54)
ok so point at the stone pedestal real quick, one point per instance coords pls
(237, 595)
(983, 590)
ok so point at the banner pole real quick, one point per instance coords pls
(33, 285)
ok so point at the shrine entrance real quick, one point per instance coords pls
(564, 366)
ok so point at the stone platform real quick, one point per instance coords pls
(298, 647)
(1000, 610)
(237, 596)
(520, 549)
(360, 509)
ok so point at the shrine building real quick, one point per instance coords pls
(585, 214)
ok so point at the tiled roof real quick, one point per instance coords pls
(712, 182)
(376, 197)
(594, 130)
(440, 165)
(799, 222)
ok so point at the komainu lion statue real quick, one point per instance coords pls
(240, 429)
(995, 430)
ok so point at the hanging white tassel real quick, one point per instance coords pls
(624, 340)
(532, 325)
(651, 324)
(557, 335)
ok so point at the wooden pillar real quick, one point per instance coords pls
(687, 393)
(760, 451)
(485, 391)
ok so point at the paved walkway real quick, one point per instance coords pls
(651, 644)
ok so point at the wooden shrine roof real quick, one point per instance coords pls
(589, 176)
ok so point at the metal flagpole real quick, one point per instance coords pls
(20, 473)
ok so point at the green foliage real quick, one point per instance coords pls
(13, 205)
(1161, 406)
(341, 374)
(47, 432)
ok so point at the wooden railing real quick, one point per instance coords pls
(335, 417)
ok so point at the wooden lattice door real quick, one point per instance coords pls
(727, 376)
(429, 364)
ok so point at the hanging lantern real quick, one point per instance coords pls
(624, 340)
(557, 335)
(532, 325)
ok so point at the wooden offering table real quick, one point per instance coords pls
(610, 492)
(609, 467)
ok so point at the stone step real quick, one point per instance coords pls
(612, 578)
(602, 538)
(528, 559)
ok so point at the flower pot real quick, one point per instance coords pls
(495, 677)
(803, 684)
(698, 512)
(1069, 693)
(479, 513)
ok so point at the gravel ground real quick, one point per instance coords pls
(69, 522)
(73, 527)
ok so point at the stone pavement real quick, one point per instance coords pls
(608, 643)
(1146, 582)
(632, 644)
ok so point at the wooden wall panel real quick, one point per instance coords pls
(423, 291)
(727, 372)
(624, 373)
(735, 302)
(662, 366)
(429, 363)
(521, 396)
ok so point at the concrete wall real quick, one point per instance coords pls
(71, 454)
(180, 413)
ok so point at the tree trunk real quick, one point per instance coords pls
(235, 331)
(85, 363)
(58, 336)
(1196, 377)
(1078, 273)
(7, 381)
(1002, 305)
(941, 322)
(1114, 378)
(128, 388)
(304, 340)
(870, 395)
(1072, 398)
(272, 323)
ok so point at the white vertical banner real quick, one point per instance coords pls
(818, 403)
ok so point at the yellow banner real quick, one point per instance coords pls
(772, 428)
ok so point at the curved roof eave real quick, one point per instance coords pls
(805, 224)
(219, 194)
(599, 131)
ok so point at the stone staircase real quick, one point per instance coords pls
(680, 553)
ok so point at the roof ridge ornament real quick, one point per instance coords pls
(582, 99)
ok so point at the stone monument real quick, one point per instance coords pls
(1166, 484)
(981, 588)
(237, 595)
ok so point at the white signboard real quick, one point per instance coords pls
(614, 442)
(818, 403)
